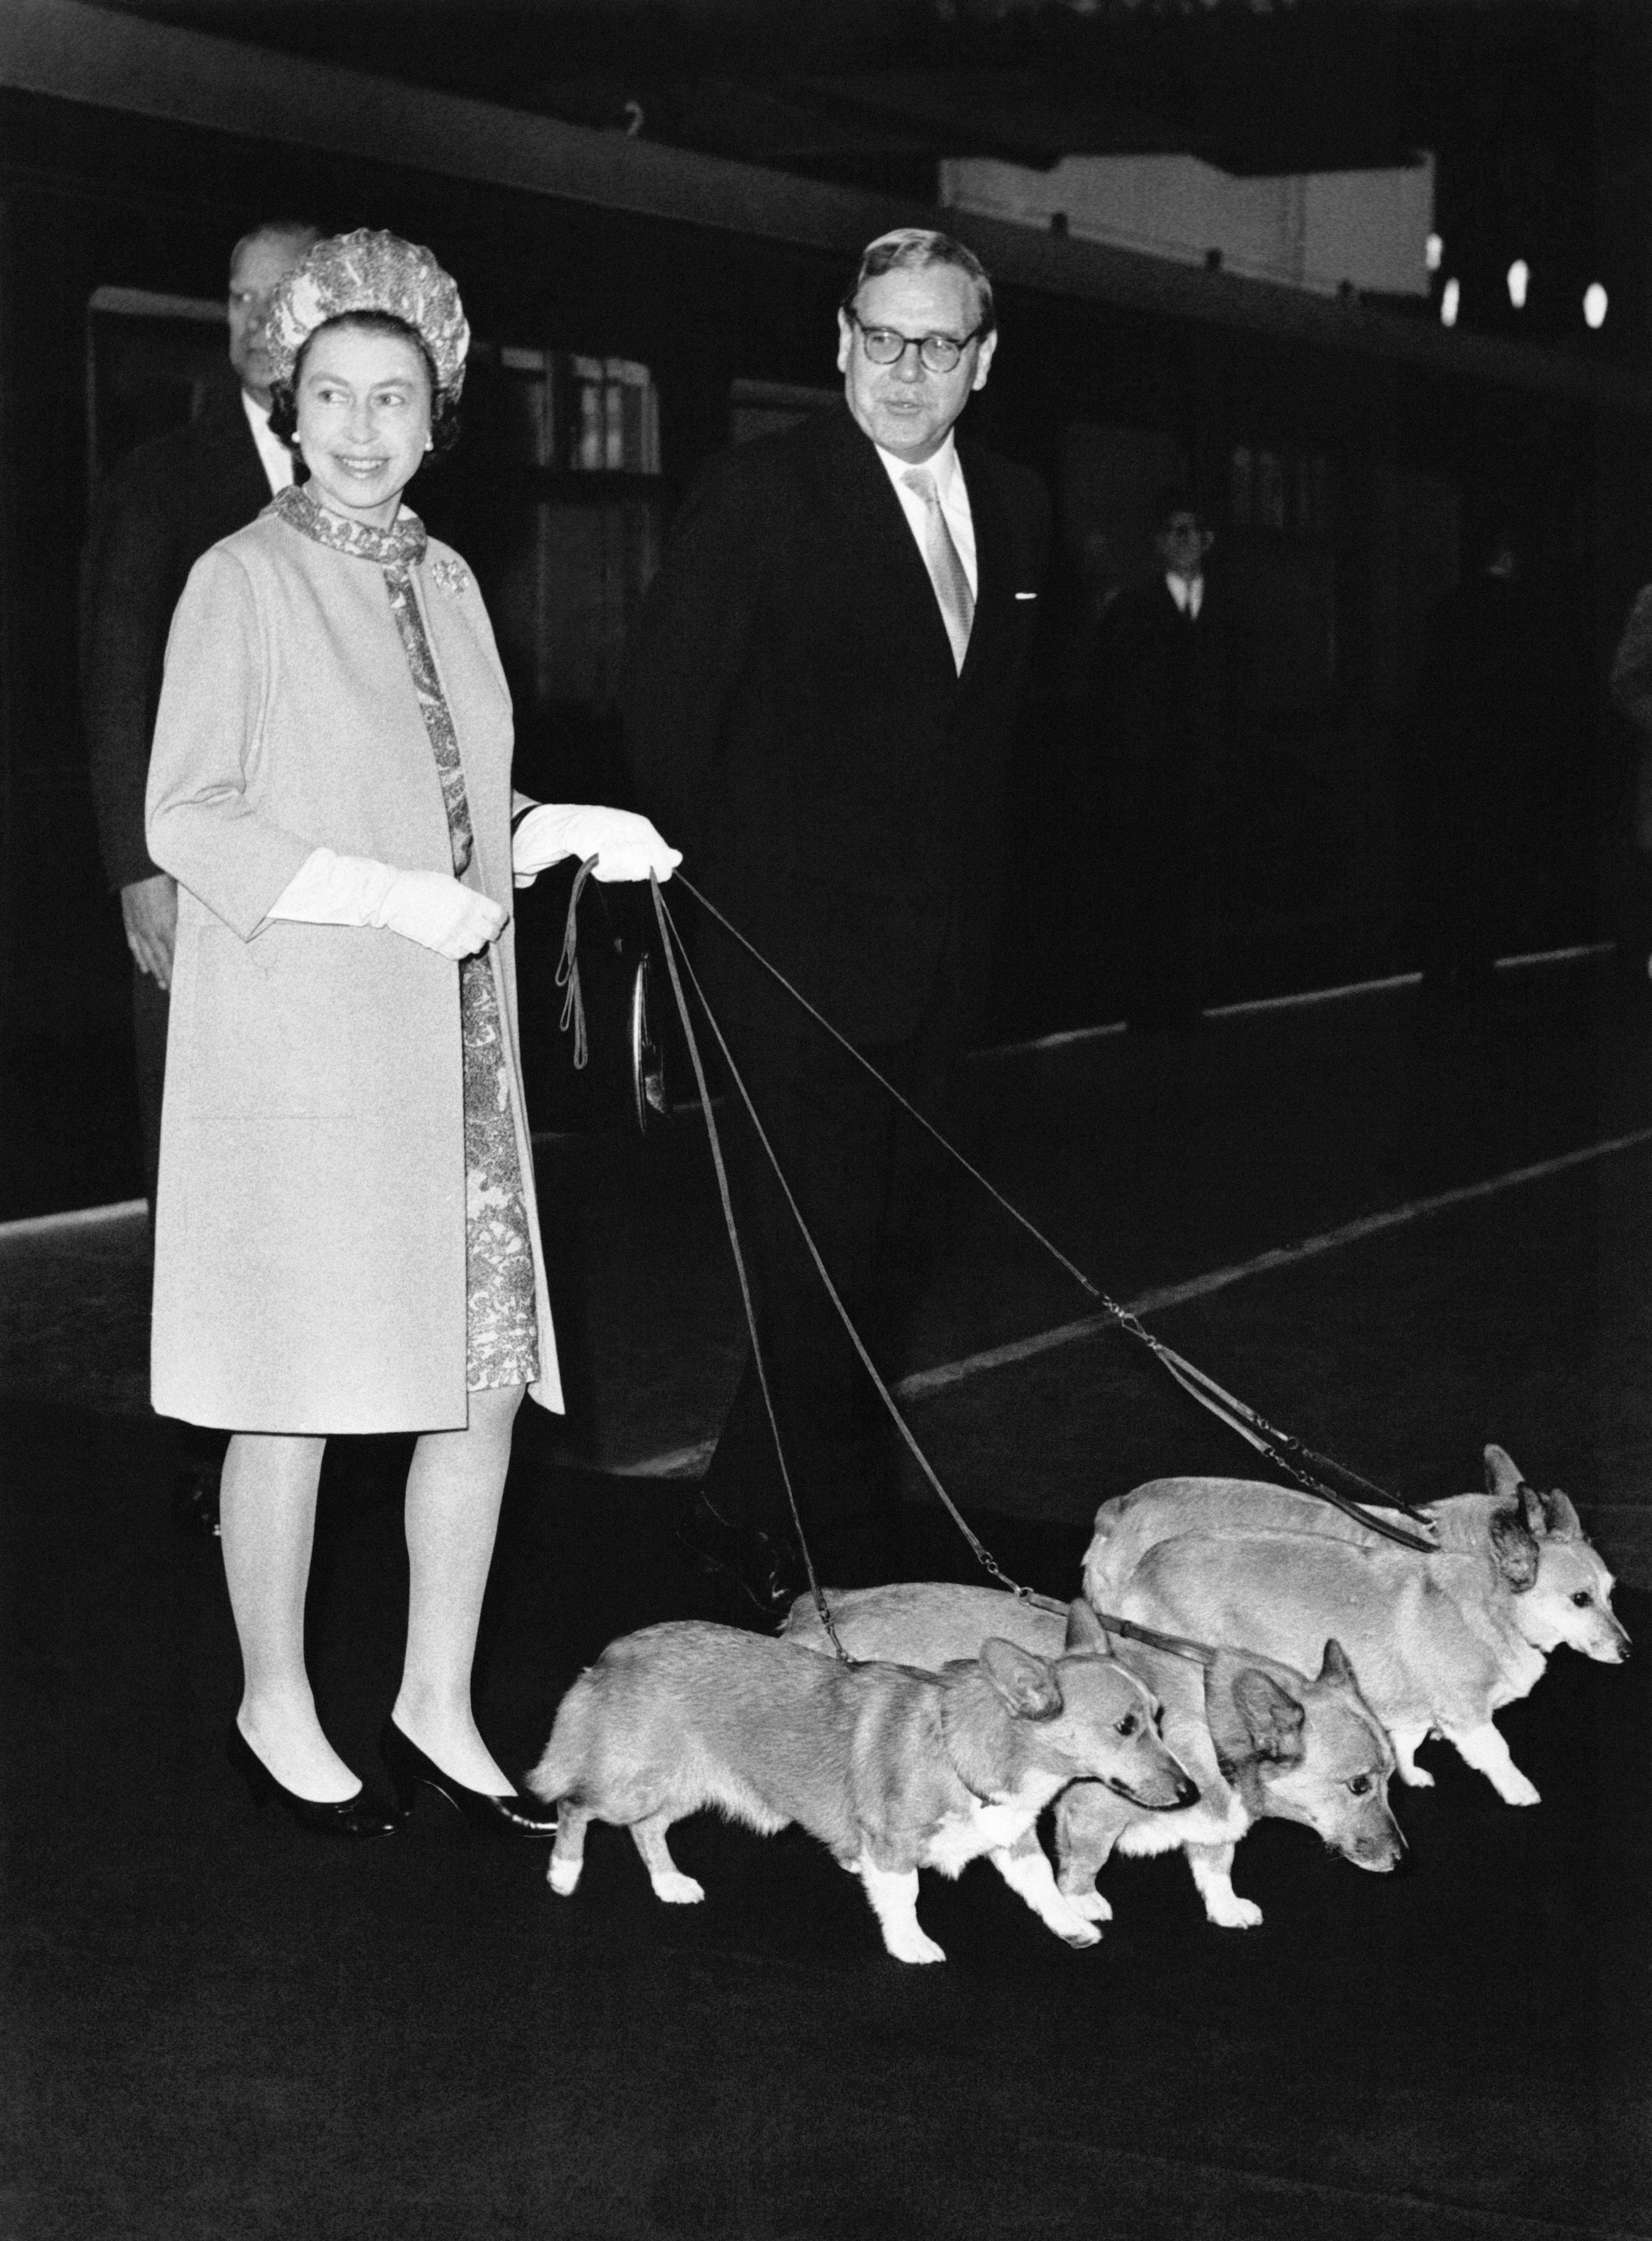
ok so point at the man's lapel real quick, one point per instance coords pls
(879, 542)
(232, 471)
(995, 560)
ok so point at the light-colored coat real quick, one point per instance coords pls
(310, 1237)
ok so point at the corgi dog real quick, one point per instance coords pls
(1260, 1739)
(1441, 1640)
(892, 1769)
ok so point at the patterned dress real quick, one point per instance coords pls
(502, 1342)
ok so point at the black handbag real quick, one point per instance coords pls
(591, 1056)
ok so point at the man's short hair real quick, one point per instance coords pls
(1175, 498)
(910, 248)
(276, 229)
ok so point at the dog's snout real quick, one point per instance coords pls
(1187, 1791)
(1379, 1851)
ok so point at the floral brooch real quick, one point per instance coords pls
(452, 575)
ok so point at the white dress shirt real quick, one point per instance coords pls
(273, 456)
(1189, 596)
(954, 502)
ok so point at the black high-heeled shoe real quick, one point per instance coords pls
(360, 1816)
(409, 1767)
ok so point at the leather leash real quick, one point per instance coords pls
(1291, 1455)
(671, 943)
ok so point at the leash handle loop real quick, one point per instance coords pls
(573, 1005)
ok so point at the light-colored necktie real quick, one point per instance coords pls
(945, 569)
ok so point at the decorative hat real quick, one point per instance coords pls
(368, 271)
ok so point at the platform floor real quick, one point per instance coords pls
(218, 2027)
(1451, 1208)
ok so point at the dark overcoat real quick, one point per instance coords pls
(795, 722)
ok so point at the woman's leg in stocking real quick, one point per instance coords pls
(268, 1511)
(454, 1494)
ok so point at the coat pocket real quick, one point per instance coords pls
(267, 1034)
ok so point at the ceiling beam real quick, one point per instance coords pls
(73, 52)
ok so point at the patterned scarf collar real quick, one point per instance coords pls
(401, 546)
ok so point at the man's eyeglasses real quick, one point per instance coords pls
(936, 353)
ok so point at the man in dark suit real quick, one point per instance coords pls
(1504, 694)
(160, 509)
(821, 691)
(1160, 684)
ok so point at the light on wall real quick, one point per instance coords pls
(1520, 276)
(1450, 298)
(1433, 249)
(1594, 304)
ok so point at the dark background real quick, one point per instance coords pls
(1384, 436)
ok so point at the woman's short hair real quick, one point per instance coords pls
(909, 247)
(444, 414)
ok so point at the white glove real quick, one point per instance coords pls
(626, 845)
(438, 911)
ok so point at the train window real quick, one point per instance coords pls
(555, 499)
(559, 410)
(763, 408)
(1278, 488)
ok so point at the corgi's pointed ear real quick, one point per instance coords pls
(1251, 1717)
(1271, 1715)
(1336, 1666)
(1085, 1632)
(1562, 1520)
(1024, 1683)
(1513, 1546)
(1502, 1473)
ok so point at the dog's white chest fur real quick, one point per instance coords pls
(986, 1827)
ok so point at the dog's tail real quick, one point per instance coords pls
(1101, 1559)
(563, 1762)
(1175, 1645)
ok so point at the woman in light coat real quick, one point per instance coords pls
(347, 1238)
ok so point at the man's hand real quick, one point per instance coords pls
(149, 908)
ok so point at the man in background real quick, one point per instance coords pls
(1162, 689)
(159, 510)
(1504, 703)
(821, 690)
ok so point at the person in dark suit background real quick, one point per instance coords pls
(1503, 702)
(820, 695)
(1161, 688)
(160, 509)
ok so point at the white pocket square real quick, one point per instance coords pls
(1026, 595)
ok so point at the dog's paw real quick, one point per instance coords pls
(1232, 1912)
(676, 1890)
(1078, 1935)
(1514, 1789)
(563, 1876)
(1415, 1777)
(1090, 1904)
(914, 1946)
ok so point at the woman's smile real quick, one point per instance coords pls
(363, 420)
